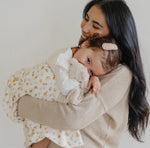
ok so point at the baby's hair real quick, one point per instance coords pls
(110, 58)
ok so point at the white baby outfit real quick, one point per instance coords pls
(47, 81)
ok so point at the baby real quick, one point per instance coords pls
(68, 74)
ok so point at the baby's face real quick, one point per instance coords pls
(91, 60)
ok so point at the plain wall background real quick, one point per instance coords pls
(30, 30)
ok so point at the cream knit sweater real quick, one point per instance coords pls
(101, 118)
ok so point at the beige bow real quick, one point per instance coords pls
(109, 46)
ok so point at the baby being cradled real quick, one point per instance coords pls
(40, 81)
(67, 75)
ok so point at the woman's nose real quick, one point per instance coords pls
(86, 27)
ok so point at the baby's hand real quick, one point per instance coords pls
(95, 84)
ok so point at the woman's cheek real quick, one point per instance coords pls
(82, 24)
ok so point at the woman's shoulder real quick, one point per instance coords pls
(122, 69)
(121, 72)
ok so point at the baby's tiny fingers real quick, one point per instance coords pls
(94, 90)
(89, 85)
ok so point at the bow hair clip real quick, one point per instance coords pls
(109, 46)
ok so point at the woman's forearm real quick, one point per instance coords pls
(74, 117)
(59, 115)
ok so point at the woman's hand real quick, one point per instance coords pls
(95, 84)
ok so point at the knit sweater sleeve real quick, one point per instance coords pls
(68, 116)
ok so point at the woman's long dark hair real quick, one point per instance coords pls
(122, 28)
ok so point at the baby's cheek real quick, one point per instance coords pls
(80, 58)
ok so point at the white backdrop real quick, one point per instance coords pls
(32, 29)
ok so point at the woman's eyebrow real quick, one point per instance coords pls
(95, 21)
(98, 24)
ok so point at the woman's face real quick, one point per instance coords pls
(94, 23)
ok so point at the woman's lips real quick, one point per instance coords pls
(83, 37)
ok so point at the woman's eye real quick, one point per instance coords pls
(91, 72)
(95, 27)
(88, 60)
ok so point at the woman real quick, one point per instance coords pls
(103, 117)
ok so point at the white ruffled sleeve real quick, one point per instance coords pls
(60, 66)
